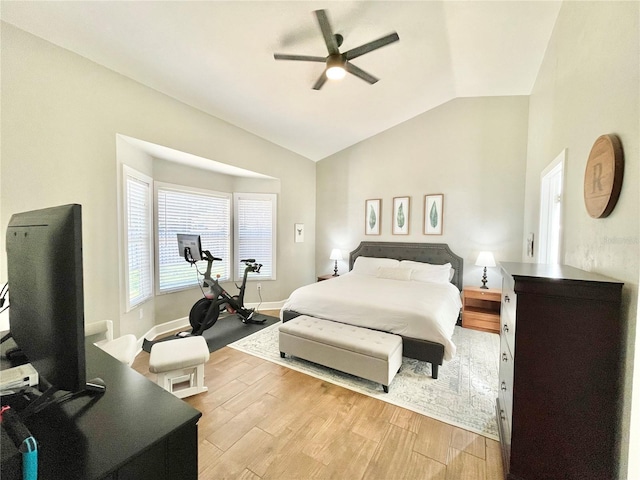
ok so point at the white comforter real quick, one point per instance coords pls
(427, 311)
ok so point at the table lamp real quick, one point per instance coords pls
(336, 254)
(485, 259)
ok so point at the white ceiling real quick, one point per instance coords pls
(218, 57)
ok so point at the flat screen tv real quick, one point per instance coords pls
(193, 243)
(46, 314)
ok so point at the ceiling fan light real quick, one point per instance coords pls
(335, 73)
(335, 67)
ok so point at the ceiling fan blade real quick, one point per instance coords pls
(321, 81)
(358, 72)
(304, 58)
(327, 33)
(368, 47)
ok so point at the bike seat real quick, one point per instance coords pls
(249, 260)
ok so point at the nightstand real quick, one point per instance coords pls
(481, 308)
(327, 277)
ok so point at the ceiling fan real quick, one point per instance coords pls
(338, 63)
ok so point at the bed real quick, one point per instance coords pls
(423, 313)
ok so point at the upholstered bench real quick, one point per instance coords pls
(180, 361)
(366, 353)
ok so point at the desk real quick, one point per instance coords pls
(135, 430)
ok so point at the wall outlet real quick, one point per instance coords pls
(259, 286)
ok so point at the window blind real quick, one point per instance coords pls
(139, 268)
(255, 217)
(183, 210)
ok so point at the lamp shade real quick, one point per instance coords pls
(336, 254)
(485, 259)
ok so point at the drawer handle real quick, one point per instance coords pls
(502, 415)
(505, 328)
(503, 387)
(504, 357)
(506, 299)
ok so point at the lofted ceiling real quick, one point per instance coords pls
(217, 56)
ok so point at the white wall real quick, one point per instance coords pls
(60, 117)
(472, 150)
(588, 86)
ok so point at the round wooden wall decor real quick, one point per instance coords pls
(603, 176)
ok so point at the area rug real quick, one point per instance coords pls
(464, 395)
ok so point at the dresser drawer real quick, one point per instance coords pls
(504, 420)
(508, 312)
(508, 331)
(504, 430)
(505, 376)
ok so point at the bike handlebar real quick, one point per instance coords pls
(206, 255)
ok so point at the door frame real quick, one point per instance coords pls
(557, 165)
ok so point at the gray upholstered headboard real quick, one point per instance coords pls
(434, 253)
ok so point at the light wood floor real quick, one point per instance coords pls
(264, 421)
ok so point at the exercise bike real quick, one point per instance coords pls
(205, 312)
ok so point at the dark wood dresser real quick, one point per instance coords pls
(134, 431)
(560, 373)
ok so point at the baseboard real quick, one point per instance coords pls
(266, 305)
(183, 323)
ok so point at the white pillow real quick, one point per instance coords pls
(426, 272)
(369, 265)
(394, 273)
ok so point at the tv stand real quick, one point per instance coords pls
(134, 429)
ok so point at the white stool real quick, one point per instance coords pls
(180, 361)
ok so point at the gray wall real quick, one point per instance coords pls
(588, 86)
(60, 117)
(472, 150)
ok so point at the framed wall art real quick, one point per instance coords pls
(433, 214)
(400, 220)
(299, 232)
(372, 216)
